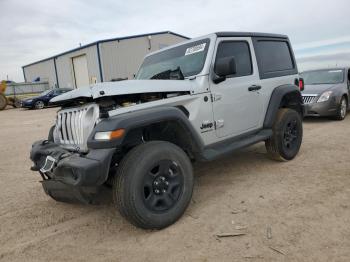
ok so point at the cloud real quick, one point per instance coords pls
(36, 29)
(340, 59)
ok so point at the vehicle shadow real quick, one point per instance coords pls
(218, 170)
(229, 173)
(318, 120)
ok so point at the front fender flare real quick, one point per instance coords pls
(143, 118)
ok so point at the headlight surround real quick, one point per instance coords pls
(324, 97)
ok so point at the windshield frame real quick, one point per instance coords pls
(322, 71)
(46, 92)
(192, 43)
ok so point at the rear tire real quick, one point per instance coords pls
(17, 103)
(287, 135)
(153, 185)
(342, 109)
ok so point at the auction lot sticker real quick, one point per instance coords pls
(195, 49)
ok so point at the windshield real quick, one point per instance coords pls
(323, 77)
(45, 92)
(187, 59)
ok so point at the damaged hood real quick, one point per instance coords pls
(125, 88)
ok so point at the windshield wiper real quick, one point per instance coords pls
(170, 74)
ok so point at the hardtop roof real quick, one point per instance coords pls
(325, 69)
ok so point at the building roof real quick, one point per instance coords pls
(103, 41)
(249, 34)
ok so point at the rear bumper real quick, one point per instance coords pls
(72, 169)
(327, 108)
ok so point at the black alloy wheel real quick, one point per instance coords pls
(291, 134)
(153, 184)
(162, 186)
(287, 135)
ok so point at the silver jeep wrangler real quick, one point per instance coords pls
(194, 101)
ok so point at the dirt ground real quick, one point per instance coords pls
(292, 211)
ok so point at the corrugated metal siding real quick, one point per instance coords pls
(65, 67)
(122, 58)
(119, 59)
(45, 70)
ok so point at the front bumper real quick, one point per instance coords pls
(72, 169)
(327, 108)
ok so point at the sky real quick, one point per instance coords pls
(35, 29)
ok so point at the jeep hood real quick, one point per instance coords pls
(125, 88)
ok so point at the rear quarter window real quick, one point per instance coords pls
(275, 58)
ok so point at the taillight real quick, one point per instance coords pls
(301, 84)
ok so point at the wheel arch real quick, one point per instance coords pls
(284, 96)
(164, 123)
(346, 97)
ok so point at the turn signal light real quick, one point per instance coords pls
(117, 133)
(109, 135)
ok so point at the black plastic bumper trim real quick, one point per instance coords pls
(72, 168)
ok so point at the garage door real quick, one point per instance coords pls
(81, 73)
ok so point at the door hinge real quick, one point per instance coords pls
(215, 97)
(219, 123)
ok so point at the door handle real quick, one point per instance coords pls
(254, 88)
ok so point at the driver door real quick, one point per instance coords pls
(237, 104)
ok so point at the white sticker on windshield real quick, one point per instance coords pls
(195, 49)
(334, 71)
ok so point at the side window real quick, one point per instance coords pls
(241, 52)
(274, 58)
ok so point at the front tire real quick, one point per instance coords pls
(39, 104)
(153, 185)
(287, 135)
(342, 109)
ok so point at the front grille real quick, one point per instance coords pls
(74, 125)
(308, 99)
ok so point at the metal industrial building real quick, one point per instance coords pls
(103, 60)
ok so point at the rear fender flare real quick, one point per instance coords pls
(275, 102)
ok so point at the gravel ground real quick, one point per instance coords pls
(291, 211)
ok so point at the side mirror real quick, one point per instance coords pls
(223, 67)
